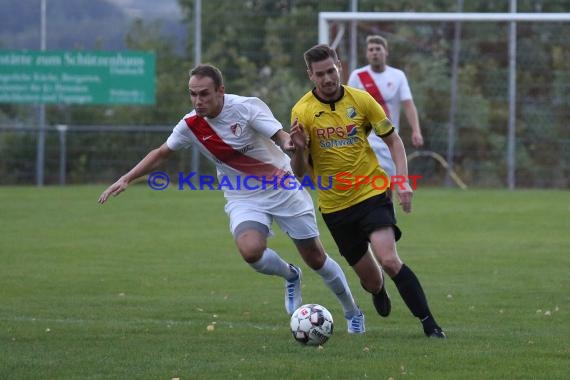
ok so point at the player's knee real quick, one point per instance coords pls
(392, 265)
(251, 255)
(251, 250)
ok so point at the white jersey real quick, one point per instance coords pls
(238, 141)
(394, 89)
(393, 86)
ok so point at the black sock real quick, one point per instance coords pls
(413, 295)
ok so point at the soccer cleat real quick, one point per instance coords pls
(382, 302)
(431, 328)
(436, 333)
(293, 291)
(356, 324)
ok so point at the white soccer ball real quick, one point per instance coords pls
(311, 324)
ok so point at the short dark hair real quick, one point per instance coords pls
(319, 53)
(209, 71)
(375, 39)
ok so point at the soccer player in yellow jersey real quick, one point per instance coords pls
(330, 126)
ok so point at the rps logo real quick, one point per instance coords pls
(328, 133)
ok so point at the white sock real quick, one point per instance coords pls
(335, 280)
(271, 263)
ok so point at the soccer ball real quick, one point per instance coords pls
(311, 324)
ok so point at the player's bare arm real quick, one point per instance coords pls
(413, 119)
(150, 162)
(283, 139)
(398, 152)
(300, 159)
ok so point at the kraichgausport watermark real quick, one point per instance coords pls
(342, 181)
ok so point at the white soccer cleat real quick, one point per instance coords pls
(293, 291)
(356, 324)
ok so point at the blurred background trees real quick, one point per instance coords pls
(258, 44)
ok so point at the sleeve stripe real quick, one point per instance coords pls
(387, 133)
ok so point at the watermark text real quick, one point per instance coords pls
(343, 181)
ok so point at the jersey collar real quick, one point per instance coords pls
(330, 102)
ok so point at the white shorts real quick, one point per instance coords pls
(294, 213)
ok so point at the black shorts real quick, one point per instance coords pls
(351, 227)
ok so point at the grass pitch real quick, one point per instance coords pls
(127, 290)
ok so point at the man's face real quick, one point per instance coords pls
(206, 99)
(376, 54)
(326, 77)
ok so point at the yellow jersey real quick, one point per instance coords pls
(345, 170)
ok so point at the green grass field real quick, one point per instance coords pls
(126, 291)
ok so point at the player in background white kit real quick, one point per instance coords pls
(389, 86)
(243, 138)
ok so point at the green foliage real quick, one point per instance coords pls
(126, 290)
(14, 162)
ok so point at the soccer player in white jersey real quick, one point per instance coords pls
(245, 141)
(389, 86)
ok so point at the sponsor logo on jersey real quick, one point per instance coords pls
(335, 137)
(327, 133)
(351, 130)
(236, 129)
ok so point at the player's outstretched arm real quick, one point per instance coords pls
(150, 162)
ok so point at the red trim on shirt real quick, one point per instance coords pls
(226, 153)
(373, 90)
